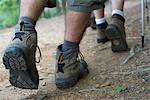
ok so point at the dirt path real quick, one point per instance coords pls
(108, 79)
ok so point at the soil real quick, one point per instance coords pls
(108, 77)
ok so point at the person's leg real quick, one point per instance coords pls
(19, 56)
(99, 13)
(31, 8)
(117, 7)
(115, 30)
(117, 4)
(101, 25)
(76, 25)
(69, 67)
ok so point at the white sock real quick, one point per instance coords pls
(119, 12)
(100, 21)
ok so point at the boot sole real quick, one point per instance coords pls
(118, 39)
(14, 60)
(70, 82)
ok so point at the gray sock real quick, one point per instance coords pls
(28, 20)
(27, 23)
(69, 45)
(70, 49)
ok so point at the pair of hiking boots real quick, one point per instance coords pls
(115, 32)
(20, 57)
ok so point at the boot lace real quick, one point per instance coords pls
(40, 55)
(81, 57)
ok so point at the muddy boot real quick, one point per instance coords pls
(69, 68)
(116, 33)
(101, 33)
(19, 57)
(51, 3)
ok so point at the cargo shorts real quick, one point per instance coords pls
(85, 5)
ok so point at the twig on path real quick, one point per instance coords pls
(104, 48)
(131, 54)
(141, 71)
(143, 49)
(95, 89)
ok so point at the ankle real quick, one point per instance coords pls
(25, 24)
(27, 20)
(69, 45)
(101, 23)
(119, 14)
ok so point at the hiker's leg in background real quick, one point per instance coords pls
(117, 4)
(99, 13)
(117, 7)
(116, 30)
(101, 25)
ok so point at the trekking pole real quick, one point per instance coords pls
(147, 12)
(143, 22)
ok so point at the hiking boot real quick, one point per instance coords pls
(19, 57)
(51, 3)
(116, 33)
(101, 34)
(69, 68)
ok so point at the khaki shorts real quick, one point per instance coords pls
(85, 5)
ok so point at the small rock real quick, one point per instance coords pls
(97, 86)
(106, 84)
(131, 88)
(143, 80)
(94, 78)
(22, 98)
(147, 91)
(76, 88)
(146, 79)
(122, 98)
(8, 86)
(143, 89)
(44, 84)
(138, 92)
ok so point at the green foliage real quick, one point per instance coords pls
(8, 12)
(119, 89)
(49, 13)
(59, 10)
